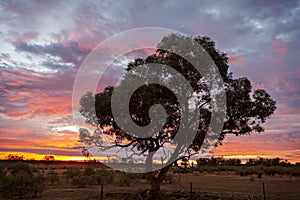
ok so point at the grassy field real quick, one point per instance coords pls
(75, 180)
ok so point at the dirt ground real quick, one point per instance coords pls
(204, 186)
(215, 185)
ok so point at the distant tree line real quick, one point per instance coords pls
(268, 162)
(250, 162)
(22, 157)
(218, 161)
(15, 157)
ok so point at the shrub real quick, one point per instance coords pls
(127, 178)
(104, 177)
(72, 172)
(270, 171)
(124, 181)
(35, 170)
(38, 185)
(21, 168)
(16, 185)
(21, 182)
(52, 177)
(2, 172)
(88, 171)
(169, 179)
(295, 171)
(81, 181)
(259, 174)
(242, 173)
(162, 195)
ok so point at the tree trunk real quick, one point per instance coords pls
(149, 161)
(156, 180)
(155, 189)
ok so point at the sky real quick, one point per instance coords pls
(43, 44)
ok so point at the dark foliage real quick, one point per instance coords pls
(246, 109)
(21, 182)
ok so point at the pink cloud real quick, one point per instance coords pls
(28, 36)
(83, 35)
(37, 104)
(265, 145)
(28, 94)
(277, 51)
(280, 48)
(236, 59)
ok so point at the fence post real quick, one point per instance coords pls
(264, 192)
(101, 197)
(191, 190)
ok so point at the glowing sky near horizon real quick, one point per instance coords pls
(43, 44)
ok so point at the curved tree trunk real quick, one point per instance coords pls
(155, 189)
(155, 181)
(156, 178)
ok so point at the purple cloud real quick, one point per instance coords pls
(44, 42)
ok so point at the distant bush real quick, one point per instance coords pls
(52, 177)
(72, 172)
(259, 174)
(21, 168)
(104, 177)
(295, 171)
(124, 181)
(253, 169)
(128, 178)
(2, 172)
(81, 181)
(36, 170)
(272, 170)
(91, 177)
(88, 171)
(21, 182)
(38, 185)
(169, 179)
(183, 171)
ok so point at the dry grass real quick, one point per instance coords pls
(206, 185)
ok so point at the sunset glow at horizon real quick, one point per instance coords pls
(43, 44)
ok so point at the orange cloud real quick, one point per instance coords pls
(28, 104)
(254, 146)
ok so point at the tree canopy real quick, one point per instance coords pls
(246, 110)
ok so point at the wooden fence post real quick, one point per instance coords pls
(191, 190)
(264, 192)
(101, 197)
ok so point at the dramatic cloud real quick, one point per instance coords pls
(43, 44)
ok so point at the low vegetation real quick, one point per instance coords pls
(21, 179)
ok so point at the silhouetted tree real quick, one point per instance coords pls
(15, 157)
(217, 161)
(265, 162)
(49, 158)
(246, 110)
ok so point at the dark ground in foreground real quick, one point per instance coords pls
(205, 186)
